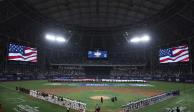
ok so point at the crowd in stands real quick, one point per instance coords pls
(173, 73)
(66, 72)
(75, 71)
(129, 73)
(32, 72)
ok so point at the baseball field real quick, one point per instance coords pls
(91, 94)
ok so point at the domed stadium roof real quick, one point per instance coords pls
(99, 13)
(88, 19)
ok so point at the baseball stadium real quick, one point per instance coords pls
(96, 55)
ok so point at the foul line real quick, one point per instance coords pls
(7, 87)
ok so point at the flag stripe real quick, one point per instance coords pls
(28, 51)
(178, 50)
(22, 53)
(21, 59)
(183, 53)
(175, 54)
(18, 54)
(175, 60)
(17, 57)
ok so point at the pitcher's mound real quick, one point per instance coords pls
(99, 97)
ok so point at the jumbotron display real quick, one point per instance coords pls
(97, 54)
(22, 53)
(174, 54)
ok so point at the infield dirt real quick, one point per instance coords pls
(138, 91)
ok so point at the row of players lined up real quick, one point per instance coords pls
(149, 101)
(68, 103)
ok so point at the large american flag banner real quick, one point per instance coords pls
(22, 53)
(174, 54)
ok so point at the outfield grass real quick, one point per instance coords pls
(10, 98)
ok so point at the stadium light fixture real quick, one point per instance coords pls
(135, 40)
(55, 38)
(50, 37)
(60, 39)
(145, 38)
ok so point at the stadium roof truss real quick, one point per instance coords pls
(172, 16)
(98, 13)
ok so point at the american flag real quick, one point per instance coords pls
(22, 53)
(174, 54)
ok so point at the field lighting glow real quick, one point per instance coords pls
(60, 39)
(50, 37)
(144, 38)
(55, 38)
(135, 40)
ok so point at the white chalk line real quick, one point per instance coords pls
(16, 100)
(13, 100)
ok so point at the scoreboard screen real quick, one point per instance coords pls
(97, 54)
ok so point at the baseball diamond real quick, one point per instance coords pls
(96, 55)
(91, 95)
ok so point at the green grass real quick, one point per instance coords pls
(185, 100)
(10, 98)
(85, 97)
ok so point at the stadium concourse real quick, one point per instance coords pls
(96, 55)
